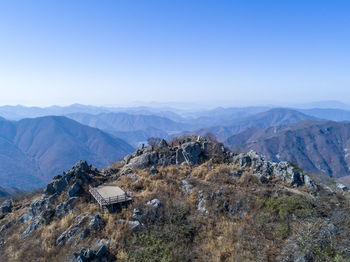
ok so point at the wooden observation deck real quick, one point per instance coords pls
(106, 195)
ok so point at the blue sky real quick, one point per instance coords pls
(116, 52)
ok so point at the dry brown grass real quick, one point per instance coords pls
(253, 231)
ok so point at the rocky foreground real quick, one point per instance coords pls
(194, 200)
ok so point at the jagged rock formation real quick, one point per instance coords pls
(6, 206)
(193, 200)
(318, 147)
(195, 152)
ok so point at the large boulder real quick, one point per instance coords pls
(140, 162)
(143, 161)
(6, 206)
(191, 152)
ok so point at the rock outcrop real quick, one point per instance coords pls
(6, 206)
(31, 228)
(267, 170)
(194, 152)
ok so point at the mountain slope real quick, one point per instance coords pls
(33, 150)
(328, 114)
(273, 117)
(126, 122)
(223, 208)
(319, 147)
(132, 128)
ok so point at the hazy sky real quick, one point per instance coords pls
(115, 52)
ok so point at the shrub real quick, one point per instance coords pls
(287, 205)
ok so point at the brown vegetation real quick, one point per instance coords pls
(246, 221)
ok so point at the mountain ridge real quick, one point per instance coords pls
(33, 150)
(320, 146)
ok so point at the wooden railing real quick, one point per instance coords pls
(110, 200)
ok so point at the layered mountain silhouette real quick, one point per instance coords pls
(272, 117)
(132, 128)
(34, 150)
(318, 147)
(4, 192)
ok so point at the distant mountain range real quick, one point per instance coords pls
(33, 150)
(132, 128)
(328, 114)
(45, 141)
(272, 117)
(318, 147)
(4, 192)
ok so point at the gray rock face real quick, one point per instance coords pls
(127, 158)
(6, 206)
(80, 172)
(60, 185)
(309, 183)
(31, 228)
(98, 252)
(288, 174)
(265, 170)
(66, 207)
(96, 224)
(191, 152)
(245, 160)
(52, 199)
(179, 156)
(35, 208)
(140, 162)
(49, 190)
(67, 235)
(75, 190)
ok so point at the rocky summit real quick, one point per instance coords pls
(192, 200)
